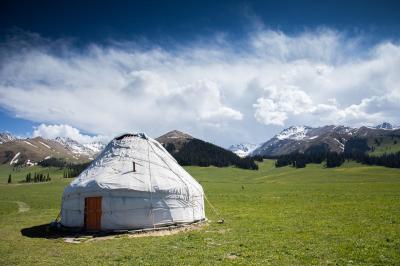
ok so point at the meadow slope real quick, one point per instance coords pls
(343, 216)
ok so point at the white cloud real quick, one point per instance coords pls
(320, 45)
(204, 99)
(279, 102)
(372, 110)
(267, 112)
(216, 90)
(66, 131)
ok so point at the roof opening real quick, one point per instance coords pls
(141, 135)
(124, 136)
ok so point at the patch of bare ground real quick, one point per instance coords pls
(22, 206)
(232, 256)
(172, 230)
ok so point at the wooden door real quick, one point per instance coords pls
(93, 213)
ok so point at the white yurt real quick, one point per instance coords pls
(133, 184)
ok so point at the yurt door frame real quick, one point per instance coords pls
(93, 213)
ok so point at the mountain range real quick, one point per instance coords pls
(188, 150)
(301, 138)
(30, 151)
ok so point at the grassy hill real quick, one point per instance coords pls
(274, 216)
(384, 145)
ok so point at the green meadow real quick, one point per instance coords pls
(275, 216)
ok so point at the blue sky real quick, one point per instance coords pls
(90, 21)
(227, 72)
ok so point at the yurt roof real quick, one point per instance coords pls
(155, 169)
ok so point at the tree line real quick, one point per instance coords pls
(315, 154)
(355, 149)
(74, 171)
(37, 177)
(70, 170)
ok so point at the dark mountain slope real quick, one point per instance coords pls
(191, 151)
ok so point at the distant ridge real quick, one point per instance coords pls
(175, 134)
(6, 137)
(332, 137)
(188, 150)
(174, 139)
(384, 125)
(243, 149)
(30, 151)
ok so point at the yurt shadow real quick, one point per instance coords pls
(41, 231)
(46, 231)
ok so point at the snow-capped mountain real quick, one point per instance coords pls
(294, 132)
(89, 149)
(30, 151)
(299, 138)
(6, 137)
(334, 138)
(385, 125)
(243, 149)
(95, 147)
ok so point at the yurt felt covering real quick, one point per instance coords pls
(156, 192)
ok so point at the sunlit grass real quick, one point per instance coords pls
(279, 216)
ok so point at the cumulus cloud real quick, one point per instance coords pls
(217, 89)
(279, 102)
(65, 131)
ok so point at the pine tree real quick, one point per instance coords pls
(9, 179)
(300, 163)
(334, 159)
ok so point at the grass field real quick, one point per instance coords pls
(19, 174)
(344, 216)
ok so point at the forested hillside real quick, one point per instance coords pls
(201, 153)
(355, 149)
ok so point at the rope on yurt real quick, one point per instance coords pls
(58, 217)
(220, 218)
(169, 167)
(151, 184)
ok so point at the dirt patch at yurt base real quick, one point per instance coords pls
(152, 232)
